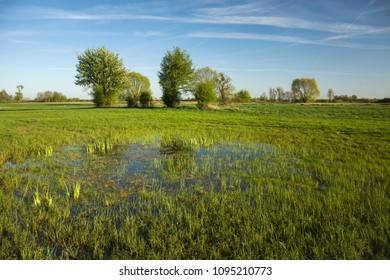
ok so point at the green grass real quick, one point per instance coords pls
(242, 182)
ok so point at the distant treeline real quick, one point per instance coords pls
(279, 95)
(275, 95)
(47, 96)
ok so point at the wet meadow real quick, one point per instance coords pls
(254, 181)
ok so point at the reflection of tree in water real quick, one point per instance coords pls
(177, 161)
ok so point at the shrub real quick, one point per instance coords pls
(132, 100)
(243, 96)
(204, 94)
(146, 98)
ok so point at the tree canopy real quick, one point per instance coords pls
(5, 97)
(305, 89)
(225, 88)
(206, 75)
(176, 76)
(49, 96)
(103, 72)
(136, 84)
(243, 96)
(204, 93)
(19, 94)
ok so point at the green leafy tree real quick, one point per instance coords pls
(225, 88)
(4, 97)
(103, 72)
(305, 90)
(176, 76)
(206, 75)
(19, 93)
(49, 96)
(205, 94)
(146, 98)
(243, 96)
(136, 84)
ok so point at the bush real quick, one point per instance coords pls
(204, 94)
(243, 96)
(4, 97)
(132, 101)
(146, 98)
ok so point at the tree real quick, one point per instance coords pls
(305, 89)
(49, 96)
(145, 98)
(205, 94)
(281, 94)
(19, 93)
(4, 97)
(176, 76)
(206, 75)
(136, 84)
(225, 88)
(272, 94)
(103, 73)
(263, 97)
(330, 94)
(243, 96)
(59, 97)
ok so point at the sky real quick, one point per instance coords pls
(344, 45)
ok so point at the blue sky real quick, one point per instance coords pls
(260, 44)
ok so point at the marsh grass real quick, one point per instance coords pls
(251, 182)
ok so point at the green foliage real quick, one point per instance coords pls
(4, 97)
(146, 98)
(225, 88)
(305, 90)
(243, 96)
(103, 73)
(176, 76)
(204, 93)
(205, 75)
(19, 94)
(49, 96)
(136, 84)
(132, 101)
(101, 97)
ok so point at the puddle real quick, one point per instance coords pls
(131, 166)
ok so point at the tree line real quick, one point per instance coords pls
(6, 98)
(46, 96)
(102, 72)
(104, 75)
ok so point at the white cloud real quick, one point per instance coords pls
(282, 39)
(249, 36)
(150, 34)
(111, 13)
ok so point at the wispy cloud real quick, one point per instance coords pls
(249, 36)
(283, 39)
(113, 13)
(150, 34)
(245, 14)
(334, 33)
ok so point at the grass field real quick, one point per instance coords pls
(242, 182)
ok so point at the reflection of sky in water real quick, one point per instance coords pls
(136, 165)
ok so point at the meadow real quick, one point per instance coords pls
(254, 181)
